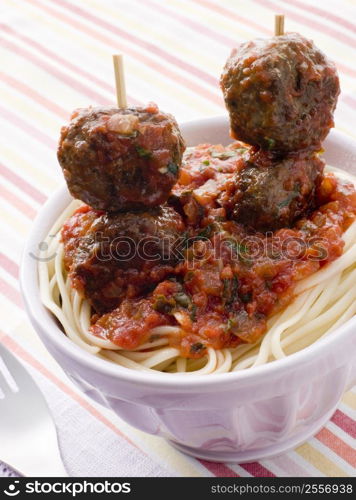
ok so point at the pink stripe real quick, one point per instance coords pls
(324, 13)
(35, 96)
(22, 184)
(219, 470)
(127, 49)
(344, 450)
(290, 466)
(315, 25)
(64, 62)
(79, 87)
(10, 293)
(187, 21)
(233, 15)
(29, 129)
(9, 265)
(344, 422)
(21, 205)
(348, 99)
(257, 470)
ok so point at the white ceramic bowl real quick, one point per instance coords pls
(241, 416)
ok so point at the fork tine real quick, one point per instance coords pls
(7, 376)
(8, 368)
(4, 384)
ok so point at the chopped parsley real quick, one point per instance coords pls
(230, 287)
(163, 305)
(172, 168)
(197, 348)
(223, 155)
(206, 162)
(193, 312)
(231, 322)
(270, 142)
(239, 248)
(246, 297)
(294, 194)
(143, 153)
(204, 234)
(182, 299)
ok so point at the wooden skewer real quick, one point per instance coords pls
(120, 80)
(279, 24)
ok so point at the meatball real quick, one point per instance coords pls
(121, 159)
(281, 93)
(109, 256)
(273, 191)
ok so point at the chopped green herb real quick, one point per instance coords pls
(246, 297)
(193, 312)
(230, 324)
(143, 153)
(230, 287)
(197, 347)
(204, 234)
(270, 142)
(223, 155)
(153, 338)
(172, 168)
(163, 305)
(294, 194)
(239, 248)
(182, 299)
(172, 278)
(206, 162)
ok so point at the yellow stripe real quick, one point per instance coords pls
(23, 105)
(350, 400)
(13, 219)
(320, 461)
(43, 178)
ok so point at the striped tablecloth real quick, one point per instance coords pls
(56, 56)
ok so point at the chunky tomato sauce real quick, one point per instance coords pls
(229, 280)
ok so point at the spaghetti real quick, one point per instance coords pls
(322, 302)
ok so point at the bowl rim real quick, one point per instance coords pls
(43, 321)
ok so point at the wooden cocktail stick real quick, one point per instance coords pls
(279, 24)
(120, 80)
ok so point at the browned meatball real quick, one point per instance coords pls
(121, 159)
(272, 191)
(281, 93)
(109, 256)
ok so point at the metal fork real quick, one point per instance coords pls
(28, 437)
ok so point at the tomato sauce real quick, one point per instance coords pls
(229, 280)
